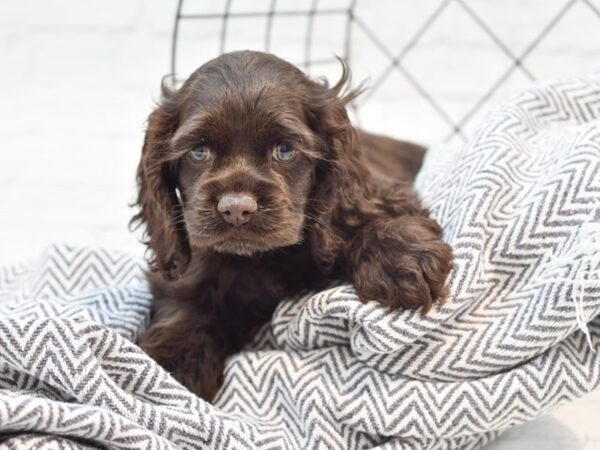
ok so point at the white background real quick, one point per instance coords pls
(78, 79)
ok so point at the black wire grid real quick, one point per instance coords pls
(394, 59)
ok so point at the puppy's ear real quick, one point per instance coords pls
(159, 207)
(342, 194)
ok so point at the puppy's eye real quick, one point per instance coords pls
(201, 153)
(284, 153)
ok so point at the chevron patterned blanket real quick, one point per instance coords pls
(520, 205)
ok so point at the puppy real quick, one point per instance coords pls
(254, 187)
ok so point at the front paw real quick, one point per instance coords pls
(402, 262)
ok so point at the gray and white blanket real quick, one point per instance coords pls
(520, 205)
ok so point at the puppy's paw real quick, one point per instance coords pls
(401, 262)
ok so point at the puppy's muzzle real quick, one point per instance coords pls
(237, 209)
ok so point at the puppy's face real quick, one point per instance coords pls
(245, 156)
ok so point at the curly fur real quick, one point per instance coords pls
(342, 212)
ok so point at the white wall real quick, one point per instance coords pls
(77, 81)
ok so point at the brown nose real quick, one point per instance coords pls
(237, 209)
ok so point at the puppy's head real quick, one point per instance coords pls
(241, 159)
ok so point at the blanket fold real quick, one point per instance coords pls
(520, 205)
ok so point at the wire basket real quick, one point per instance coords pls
(485, 50)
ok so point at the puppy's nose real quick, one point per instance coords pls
(237, 209)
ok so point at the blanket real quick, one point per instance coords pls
(520, 206)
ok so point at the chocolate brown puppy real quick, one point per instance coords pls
(253, 187)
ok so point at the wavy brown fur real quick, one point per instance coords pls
(342, 211)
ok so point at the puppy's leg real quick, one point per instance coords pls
(402, 262)
(189, 344)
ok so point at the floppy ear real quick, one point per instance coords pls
(159, 207)
(342, 196)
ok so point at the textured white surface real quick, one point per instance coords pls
(77, 80)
